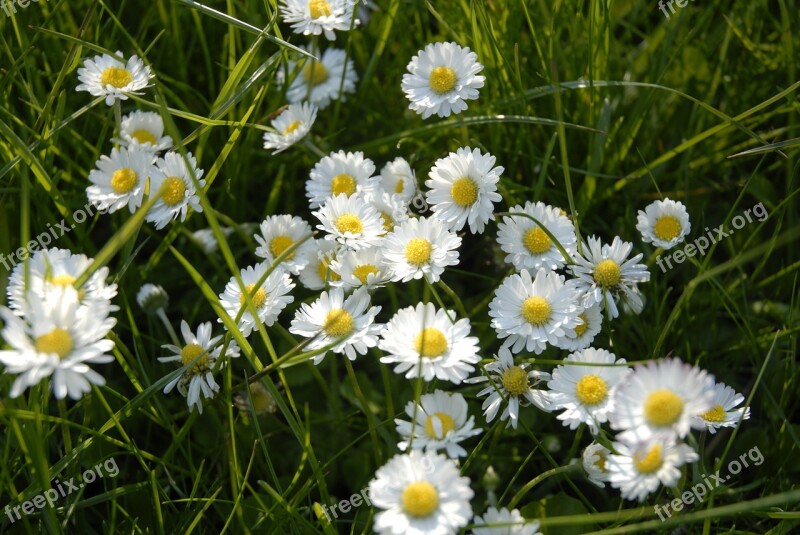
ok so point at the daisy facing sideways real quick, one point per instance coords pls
(664, 223)
(420, 247)
(504, 522)
(724, 413)
(318, 81)
(594, 459)
(290, 126)
(144, 130)
(107, 76)
(398, 178)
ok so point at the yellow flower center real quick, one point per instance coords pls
(418, 251)
(515, 381)
(536, 310)
(338, 323)
(294, 125)
(323, 270)
(64, 279)
(388, 222)
(607, 273)
(279, 244)
(663, 407)
(363, 272)
(259, 298)
(591, 390)
(667, 228)
(400, 186)
(173, 191)
(448, 424)
(123, 180)
(144, 136)
(318, 8)
(349, 223)
(443, 79)
(717, 414)
(431, 343)
(650, 461)
(536, 241)
(57, 341)
(343, 183)
(581, 328)
(315, 72)
(464, 192)
(191, 352)
(420, 499)
(601, 463)
(116, 76)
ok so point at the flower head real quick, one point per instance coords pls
(107, 76)
(318, 81)
(664, 223)
(290, 126)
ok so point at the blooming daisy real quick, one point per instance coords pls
(59, 338)
(336, 174)
(724, 413)
(662, 397)
(640, 466)
(318, 273)
(348, 325)
(313, 17)
(350, 221)
(119, 180)
(441, 78)
(175, 188)
(202, 352)
(397, 178)
(603, 272)
(513, 383)
(586, 393)
(269, 297)
(420, 493)
(438, 422)
(392, 209)
(278, 233)
(425, 342)
(365, 267)
(532, 313)
(109, 77)
(207, 242)
(527, 245)
(144, 130)
(290, 126)
(152, 297)
(463, 188)
(594, 460)
(420, 247)
(319, 80)
(504, 522)
(664, 223)
(582, 336)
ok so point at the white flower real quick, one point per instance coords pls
(152, 297)
(319, 81)
(398, 179)
(421, 247)
(109, 77)
(348, 325)
(392, 209)
(419, 494)
(144, 130)
(594, 460)
(278, 233)
(269, 296)
(504, 522)
(602, 273)
(290, 126)
(175, 189)
(586, 393)
(662, 397)
(202, 352)
(339, 173)
(664, 223)
(59, 338)
(512, 383)
(441, 78)
(119, 180)
(582, 336)
(724, 413)
(534, 313)
(350, 221)
(313, 17)
(365, 267)
(206, 241)
(528, 246)
(463, 189)
(438, 422)
(317, 274)
(425, 342)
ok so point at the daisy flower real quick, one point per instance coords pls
(463, 189)
(513, 383)
(531, 313)
(582, 336)
(603, 273)
(290, 126)
(152, 297)
(119, 180)
(365, 267)
(397, 178)
(664, 223)
(144, 130)
(528, 246)
(662, 397)
(206, 240)
(420, 247)
(438, 422)
(639, 467)
(594, 460)
(319, 80)
(109, 77)
(278, 233)
(504, 522)
(313, 17)
(336, 174)
(59, 339)
(724, 413)
(348, 325)
(202, 352)
(586, 393)
(392, 209)
(350, 221)
(420, 493)
(318, 273)
(425, 342)
(441, 79)
(175, 189)
(269, 297)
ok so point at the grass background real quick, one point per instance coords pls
(596, 106)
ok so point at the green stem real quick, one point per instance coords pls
(538, 479)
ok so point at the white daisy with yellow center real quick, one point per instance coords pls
(421, 247)
(398, 179)
(269, 295)
(724, 412)
(278, 234)
(120, 179)
(339, 173)
(317, 274)
(504, 522)
(348, 324)
(144, 130)
(106, 76)
(318, 80)
(664, 223)
(589, 325)
(315, 17)
(528, 246)
(594, 460)
(463, 189)
(365, 267)
(350, 221)
(420, 493)
(175, 188)
(292, 125)
(392, 209)
(441, 78)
